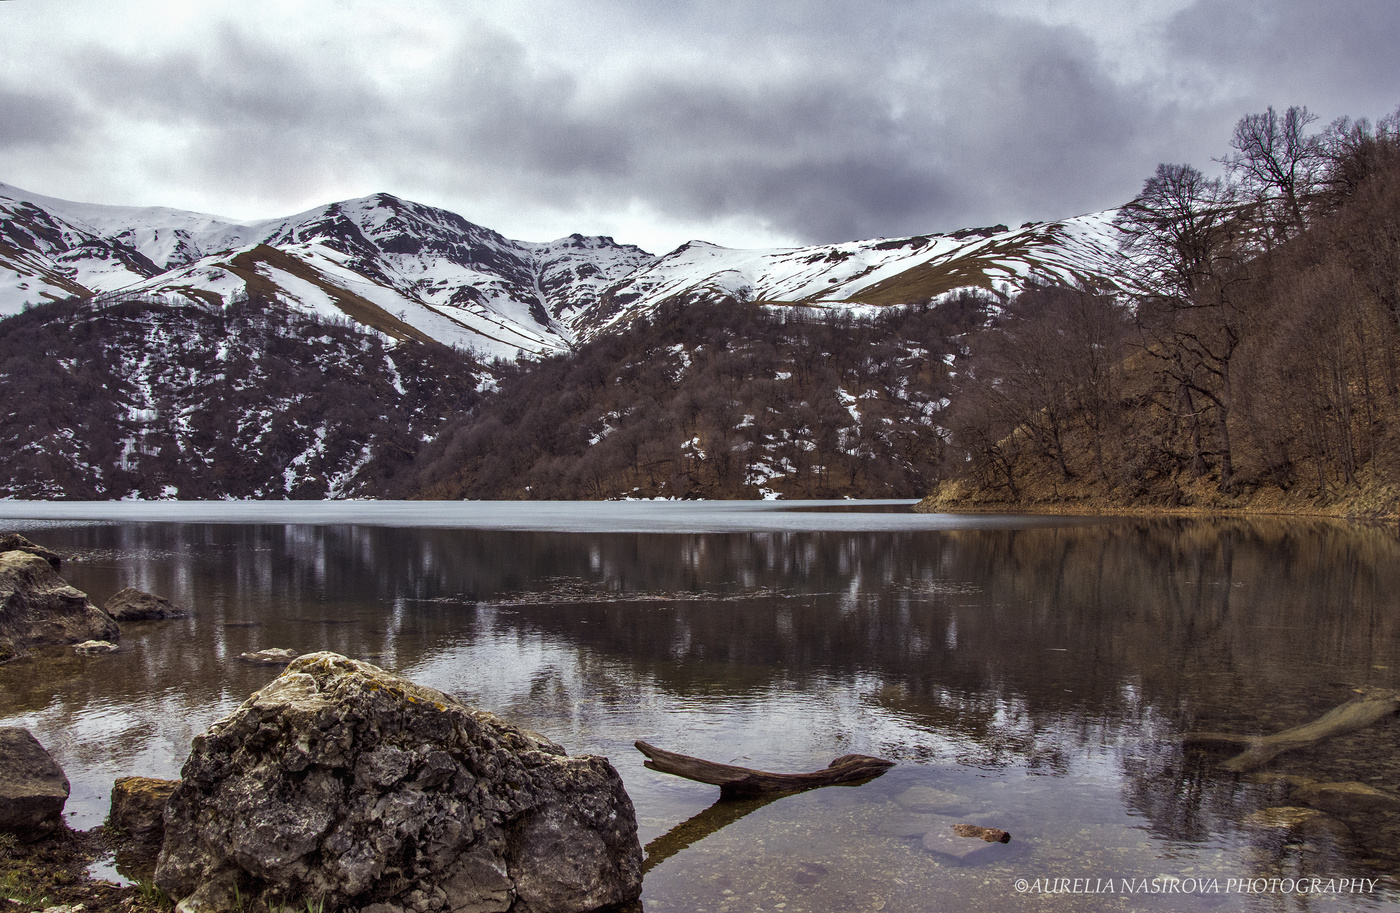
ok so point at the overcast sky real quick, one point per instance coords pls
(749, 124)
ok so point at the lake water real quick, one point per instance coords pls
(1029, 674)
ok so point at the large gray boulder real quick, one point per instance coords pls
(131, 604)
(33, 788)
(342, 784)
(39, 608)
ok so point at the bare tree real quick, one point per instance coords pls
(1279, 165)
(1039, 377)
(1180, 233)
(1185, 235)
(1352, 151)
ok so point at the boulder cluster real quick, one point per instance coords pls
(38, 608)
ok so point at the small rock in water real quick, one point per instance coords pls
(274, 656)
(138, 805)
(989, 834)
(95, 647)
(131, 604)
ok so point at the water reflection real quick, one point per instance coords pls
(1040, 675)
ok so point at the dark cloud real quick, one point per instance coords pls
(1336, 56)
(823, 121)
(30, 121)
(499, 108)
(242, 115)
(830, 145)
(1018, 122)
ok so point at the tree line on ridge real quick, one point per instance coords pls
(1251, 346)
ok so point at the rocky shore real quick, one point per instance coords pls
(338, 786)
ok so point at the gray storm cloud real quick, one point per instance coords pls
(820, 121)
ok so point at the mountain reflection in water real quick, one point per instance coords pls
(1030, 676)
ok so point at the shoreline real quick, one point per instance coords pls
(1368, 501)
(56, 871)
(1078, 509)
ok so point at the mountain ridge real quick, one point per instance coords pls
(373, 347)
(468, 286)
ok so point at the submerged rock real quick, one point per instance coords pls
(131, 604)
(1347, 798)
(342, 784)
(39, 608)
(930, 799)
(33, 788)
(95, 647)
(1284, 817)
(273, 656)
(1301, 823)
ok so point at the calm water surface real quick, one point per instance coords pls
(1030, 674)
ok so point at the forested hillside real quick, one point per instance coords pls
(177, 399)
(720, 399)
(1254, 361)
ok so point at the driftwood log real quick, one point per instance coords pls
(1370, 706)
(744, 783)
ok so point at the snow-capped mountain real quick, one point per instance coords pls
(414, 271)
(404, 269)
(875, 273)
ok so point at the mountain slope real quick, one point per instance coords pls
(250, 399)
(410, 270)
(715, 399)
(451, 280)
(875, 273)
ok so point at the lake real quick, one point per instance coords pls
(1034, 674)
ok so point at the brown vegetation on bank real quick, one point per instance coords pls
(1254, 364)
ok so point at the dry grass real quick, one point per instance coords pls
(1368, 500)
(356, 307)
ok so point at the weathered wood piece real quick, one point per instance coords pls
(1369, 707)
(989, 834)
(745, 783)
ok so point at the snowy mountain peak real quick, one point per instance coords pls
(412, 270)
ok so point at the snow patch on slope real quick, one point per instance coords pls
(469, 287)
